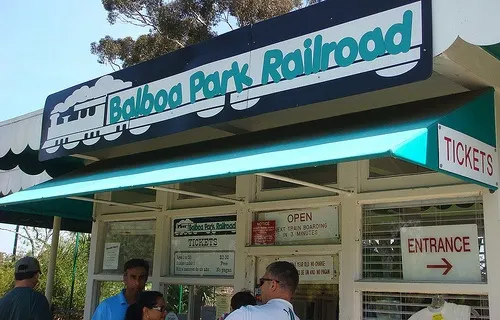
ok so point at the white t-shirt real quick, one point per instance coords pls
(449, 311)
(275, 309)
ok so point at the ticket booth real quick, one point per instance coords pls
(359, 145)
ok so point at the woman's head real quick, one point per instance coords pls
(150, 305)
(241, 299)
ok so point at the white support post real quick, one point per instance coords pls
(54, 244)
(350, 253)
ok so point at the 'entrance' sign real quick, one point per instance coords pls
(466, 156)
(441, 253)
(326, 51)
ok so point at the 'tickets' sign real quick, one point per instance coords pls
(322, 52)
(441, 253)
(203, 246)
(467, 156)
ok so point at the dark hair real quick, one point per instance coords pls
(136, 263)
(241, 299)
(286, 273)
(146, 299)
(24, 276)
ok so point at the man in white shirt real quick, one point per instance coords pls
(277, 288)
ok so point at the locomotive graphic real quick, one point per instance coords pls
(387, 44)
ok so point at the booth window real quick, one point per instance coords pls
(322, 175)
(401, 306)
(214, 187)
(197, 302)
(125, 241)
(382, 254)
(140, 195)
(391, 167)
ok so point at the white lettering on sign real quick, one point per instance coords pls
(313, 268)
(466, 156)
(312, 225)
(440, 253)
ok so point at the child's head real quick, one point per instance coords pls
(241, 299)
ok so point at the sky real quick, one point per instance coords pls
(45, 49)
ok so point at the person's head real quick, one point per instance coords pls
(279, 282)
(150, 305)
(241, 299)
(135, 275)
(27, 271)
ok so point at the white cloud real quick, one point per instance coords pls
(474, 21)
(102, 86)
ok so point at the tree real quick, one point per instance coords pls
(174, 24)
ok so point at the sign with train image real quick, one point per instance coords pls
(284, 62)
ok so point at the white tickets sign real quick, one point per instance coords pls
(111, 256)
(441, 253)
(203, 246)
(313, 268)
(312, 225)
(466, 156)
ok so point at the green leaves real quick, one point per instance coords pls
(173, 24)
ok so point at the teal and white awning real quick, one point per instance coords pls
(453, 135)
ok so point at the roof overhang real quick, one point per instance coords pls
(454, 135)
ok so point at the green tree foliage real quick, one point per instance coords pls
(174, 24)
(64, 267)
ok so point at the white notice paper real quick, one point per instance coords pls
(111, 254)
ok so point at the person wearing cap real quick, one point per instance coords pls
(277, 288)
(135, 276)
(23, 302)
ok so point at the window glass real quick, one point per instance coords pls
(391, 167)
(316, 301)
(439, 239)
(140, 195)
(321, 175)
(214, 187)
(401, 306)
(191, 302)
(112, 288)
(128, 240)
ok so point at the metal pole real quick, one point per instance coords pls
(54, 244)
(14, 250)
(75, 256)
(180, 298)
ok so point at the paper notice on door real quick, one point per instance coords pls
(111, 255)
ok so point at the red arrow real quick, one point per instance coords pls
(447, 265)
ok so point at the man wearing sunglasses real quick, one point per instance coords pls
(277, 288)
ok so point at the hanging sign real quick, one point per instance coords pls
(263, 232)
(111, 256)
(203, 246)
(313, 268)
(466, 156)
(318, 225)
(349, 48)
(440, 253)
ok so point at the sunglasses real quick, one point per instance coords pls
(160, 308)
(263, 280)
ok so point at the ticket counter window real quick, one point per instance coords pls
(446, 241)
(190, 302)
(402, 306)
(108, 289)
(317, 295)
(125, 241)
(391, 167)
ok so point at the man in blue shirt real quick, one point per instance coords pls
(135, 276)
